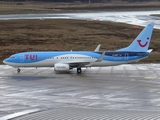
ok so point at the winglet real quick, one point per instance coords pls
(101, 57)
(97, 48)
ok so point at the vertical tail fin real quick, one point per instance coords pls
(142, 41)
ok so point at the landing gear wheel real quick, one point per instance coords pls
(18, 70)
(79, 70)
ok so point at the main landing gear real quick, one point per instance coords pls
(79, 70)
(18, 70)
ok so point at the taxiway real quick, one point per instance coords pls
(132, 87)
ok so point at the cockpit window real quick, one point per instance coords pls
(12, 57)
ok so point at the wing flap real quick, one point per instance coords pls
(84, 63)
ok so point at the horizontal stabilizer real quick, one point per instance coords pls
(150, 50)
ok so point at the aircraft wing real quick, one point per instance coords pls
(85, 63)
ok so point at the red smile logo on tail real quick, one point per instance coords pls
(142, 45)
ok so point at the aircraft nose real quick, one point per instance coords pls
(5, 61)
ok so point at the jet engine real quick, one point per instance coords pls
(61, 67)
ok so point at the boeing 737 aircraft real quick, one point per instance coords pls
(66, 60)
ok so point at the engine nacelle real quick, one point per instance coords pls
(61, 67)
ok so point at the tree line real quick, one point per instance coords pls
(92, 1)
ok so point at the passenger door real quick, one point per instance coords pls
(21, 58)
(126, 56)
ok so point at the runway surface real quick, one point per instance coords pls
(132, 87)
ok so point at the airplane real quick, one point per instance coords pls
(64, 61)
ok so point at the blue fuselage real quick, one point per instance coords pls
(81, 58)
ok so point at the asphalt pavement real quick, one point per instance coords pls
(126, 87)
